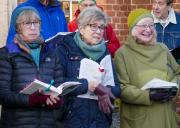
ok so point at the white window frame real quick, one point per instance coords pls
(70, 7)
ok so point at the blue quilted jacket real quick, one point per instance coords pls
(18, 69)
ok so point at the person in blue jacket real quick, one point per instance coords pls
(22, 61)
(90, 105)
(167, 23)
(52, 18)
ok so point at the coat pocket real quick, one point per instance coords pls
(73, 65)
(133, 116)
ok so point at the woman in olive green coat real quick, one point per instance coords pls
(137, 62)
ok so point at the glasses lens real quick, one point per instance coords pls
(145, 26)
(95, 27)
(28, 24)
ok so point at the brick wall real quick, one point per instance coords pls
(20, 1)
(118, 11)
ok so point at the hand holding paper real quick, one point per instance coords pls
(48, 89)
(158, 83)
(160, 90)
(162, 94)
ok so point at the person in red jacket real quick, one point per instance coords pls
(109, 35)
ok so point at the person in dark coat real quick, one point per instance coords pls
(89, 106)
(21, 62)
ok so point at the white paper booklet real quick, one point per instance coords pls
(102, 73)
(158, 83)
(48, 89)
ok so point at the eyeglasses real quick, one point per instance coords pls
(88, 5)
(29, 24)
(145, 26)
(95, 27)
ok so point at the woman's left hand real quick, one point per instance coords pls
(52, 100)
(92, 85)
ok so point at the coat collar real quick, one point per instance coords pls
(171, 18)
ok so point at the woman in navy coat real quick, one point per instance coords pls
(90, 105)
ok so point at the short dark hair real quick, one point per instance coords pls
(169, 2)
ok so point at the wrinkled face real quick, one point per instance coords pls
(87, 3)
(93, 33)
(144, 30)
(29, 30)
(160, 9)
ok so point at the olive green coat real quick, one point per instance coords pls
(137, 64)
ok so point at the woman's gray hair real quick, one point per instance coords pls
(90, 15)
(26, 15)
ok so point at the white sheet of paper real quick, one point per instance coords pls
(89, 70)
(108, 77)
(158, 83)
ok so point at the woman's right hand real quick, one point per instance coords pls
(177, 103)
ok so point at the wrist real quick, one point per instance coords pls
(36, 100)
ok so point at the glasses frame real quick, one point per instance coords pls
(88, 5)
(28, 24)
(95, 27)
(145, 26)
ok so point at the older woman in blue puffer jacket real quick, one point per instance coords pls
(21, 62)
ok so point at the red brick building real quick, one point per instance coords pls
(118, 11)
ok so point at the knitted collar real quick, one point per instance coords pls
(92, 51)
(171, 18)
(28, 46)
(145, 53)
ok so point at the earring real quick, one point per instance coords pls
(82, 38)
